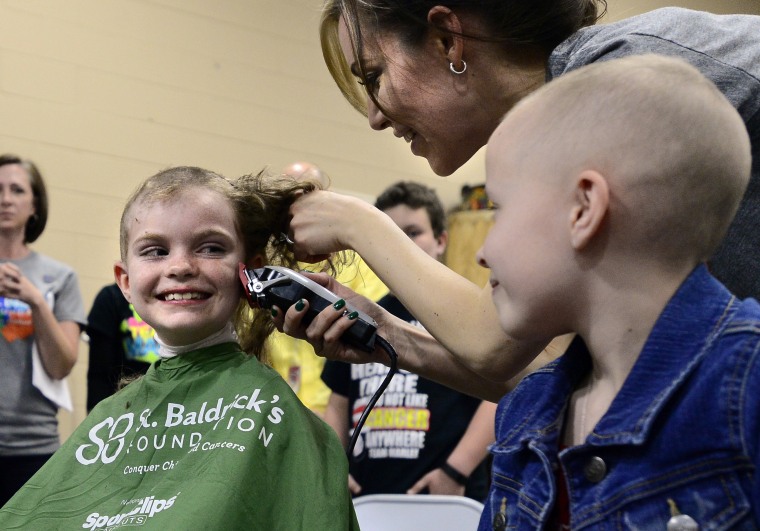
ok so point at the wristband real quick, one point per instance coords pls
(453, 473)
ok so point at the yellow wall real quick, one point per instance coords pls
(103, 93)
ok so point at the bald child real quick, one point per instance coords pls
(613, 185)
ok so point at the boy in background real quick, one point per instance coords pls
(441, 445)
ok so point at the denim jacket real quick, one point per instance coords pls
(681, 437)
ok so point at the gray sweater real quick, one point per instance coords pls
(726, 48)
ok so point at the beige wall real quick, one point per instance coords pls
(103, 93)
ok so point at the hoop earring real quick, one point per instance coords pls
(458, 72)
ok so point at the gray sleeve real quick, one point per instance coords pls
(726, 49)
(68, 300)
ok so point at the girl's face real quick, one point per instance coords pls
(16, 198)
(181, 271)
(424, 103)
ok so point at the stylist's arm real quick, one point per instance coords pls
(325, 222)
(417, 350)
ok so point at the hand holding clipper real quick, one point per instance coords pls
(282, 287)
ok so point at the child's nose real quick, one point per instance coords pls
(181, 265)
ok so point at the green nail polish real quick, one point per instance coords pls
(300, 305)
(274, 312)
(353, 315)
(339, 304)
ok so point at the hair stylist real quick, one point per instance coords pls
(441, 75)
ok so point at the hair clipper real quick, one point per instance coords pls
(282, 287)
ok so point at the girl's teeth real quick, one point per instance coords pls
(182, 296)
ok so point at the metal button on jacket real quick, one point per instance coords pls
(500, 522)
(682, 522)
(595, 469)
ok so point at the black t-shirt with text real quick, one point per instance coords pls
(413, 428)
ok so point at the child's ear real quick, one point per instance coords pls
(122, 280)
(591, 202)
(442, 241)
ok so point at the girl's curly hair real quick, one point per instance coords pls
(261, 203)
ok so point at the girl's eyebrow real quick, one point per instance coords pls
(215, 232)
(147, 236)
(150, 236)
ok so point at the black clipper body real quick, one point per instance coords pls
(282, 287)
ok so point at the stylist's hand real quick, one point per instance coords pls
(14, 285)
(324, 332)
(326, 222)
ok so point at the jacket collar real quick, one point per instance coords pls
(682, 335)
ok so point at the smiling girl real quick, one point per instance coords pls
(209, 438)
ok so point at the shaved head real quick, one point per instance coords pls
(306, 171)
(675, 151)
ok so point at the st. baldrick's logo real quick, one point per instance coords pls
(109, 437)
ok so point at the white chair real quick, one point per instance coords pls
(401, 512)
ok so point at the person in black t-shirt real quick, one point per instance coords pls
(121, 344)
(421, 437)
